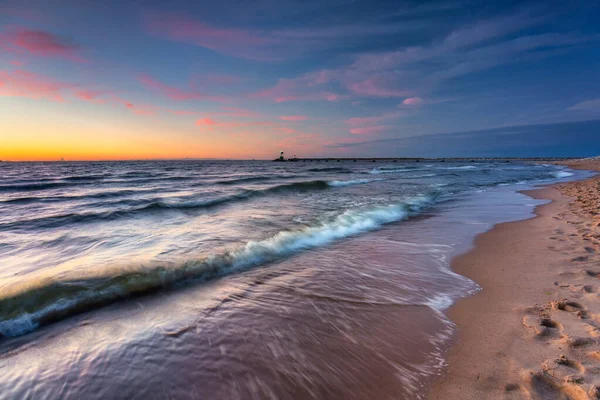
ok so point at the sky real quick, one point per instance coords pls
(239, 79)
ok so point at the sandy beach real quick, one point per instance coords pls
(533, 330)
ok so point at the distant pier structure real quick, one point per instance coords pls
(281, 158)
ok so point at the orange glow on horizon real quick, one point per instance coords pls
(97, 145)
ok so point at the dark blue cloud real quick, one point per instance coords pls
(571, 139)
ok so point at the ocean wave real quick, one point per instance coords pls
(156, 205)
(462, 167)
(74, 181)
(61, 219)
(562, 174)
(245, 180)
(98, 195)
(84, 178)
(294, 187)
(24, 309)
(332, 169)
(383, 170)
(421, 176)
(34, 186)
(352, 182)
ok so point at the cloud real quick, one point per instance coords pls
(175, 93)
(587, 106)
(272, 42)
(297, 89)
(136, 108)
(414, 71)
(413, 101)
(369, 130)
(90, 95)
(232, 42)
(206, 122)
(572, 139)
(19, 83)
(377, 87)
(39, 43)
(293, 118)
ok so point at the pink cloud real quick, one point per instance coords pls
(90, 95)
(299, 89)
(21, 83)
(206, 121)
(39, 43)
(374, 87)
(137, 109)
(143, 111)
(287, 131)
(17, 63)
(369, 130)
(413, 101)
(233, 42)
(172, 92)
(293, 118)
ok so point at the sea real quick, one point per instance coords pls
(197, 279)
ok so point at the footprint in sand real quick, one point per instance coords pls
(542, 326)
(580, 258)
(593, 274)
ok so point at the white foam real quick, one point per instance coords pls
(352, 182)
(387, 171)
(562, 174)
(254, 253)
(463, 167)
(349, 223)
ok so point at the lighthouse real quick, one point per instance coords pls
(280, 158)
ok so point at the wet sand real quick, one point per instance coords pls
(533, 332)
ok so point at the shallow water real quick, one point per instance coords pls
(203, 279)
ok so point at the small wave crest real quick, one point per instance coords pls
(352, 182)
(389, 170)
(245, 180)
(562, 174)
(331, 169)
(58, 220)
(27, 308)
(463, 167)
(34, 186)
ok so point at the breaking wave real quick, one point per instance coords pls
(24, 309)
(562, 174)
(331, 169)
(157, 205)
(352, 182)
(384, 170)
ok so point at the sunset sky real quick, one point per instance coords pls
(84, 79)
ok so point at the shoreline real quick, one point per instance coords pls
(531, 331)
